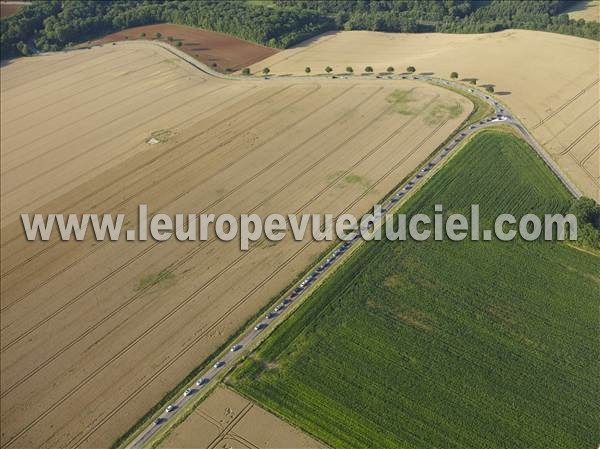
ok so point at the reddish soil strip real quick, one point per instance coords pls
(208, 47)
(9, 9)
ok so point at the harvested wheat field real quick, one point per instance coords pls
(219, 51)
(226, 419)
(588, 10)
(95, 333)
(550, 81)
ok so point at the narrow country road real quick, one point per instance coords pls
(251, 337)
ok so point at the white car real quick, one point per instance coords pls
(219, 364)
(235, 348)
(188, 392)
(201, 382)
(170, 408)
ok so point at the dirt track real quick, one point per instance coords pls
(550, 81)
(85, 351)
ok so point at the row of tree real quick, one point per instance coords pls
(329, 69)
(587, 212)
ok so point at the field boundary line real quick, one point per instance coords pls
(187, 300)
(256, 288)
(57, 130)
(564, 105)
(104, 243)
(185, 258)
(160, 115)
(154, 244)
(595, 180)
(52, 64)
(555, 136)
(230, 426)
(589, 155)
(579, 138)
(78, 155)
(150, 162)
(58, 147)
(163, 154)
(87, 88)
(62, 70)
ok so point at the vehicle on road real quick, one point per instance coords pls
(260, 326)
(170, 408)
(201, 382)
(188, 392)
(219, 364)
(235, 348)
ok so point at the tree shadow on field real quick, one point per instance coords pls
(503, 92)
(487, 85)
(426, 73)
(468, 80)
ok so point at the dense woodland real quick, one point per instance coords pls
(52, 25)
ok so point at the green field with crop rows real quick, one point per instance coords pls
(447, 344)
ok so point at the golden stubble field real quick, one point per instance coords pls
(94, 333)
(226, 419)
(549, 81)
(588, 10)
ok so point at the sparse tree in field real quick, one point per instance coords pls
(143, 35)
(390, 69)
(179, 43)
(266, 70)
(490, 89)
(23, 48)
(170, 38)
(454, 75)
(158, 35)
(349, 69)
(473, 81)
(369, 69)
(328, 69)
(214, 64)
(411, 69)
(246, 71)
(307, 70)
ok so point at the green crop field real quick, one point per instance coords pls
(447, 344)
